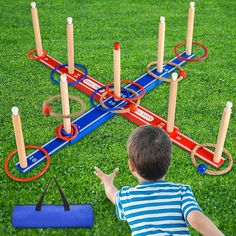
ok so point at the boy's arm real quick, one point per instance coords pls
(203, 224)
(107, 180)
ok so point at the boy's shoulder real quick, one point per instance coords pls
(155, 186)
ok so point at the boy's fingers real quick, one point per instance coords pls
(99, 173)
(96, 174)
(99, 176)
(115, 171)
(98, 170)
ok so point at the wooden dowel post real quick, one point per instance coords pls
(222, 132)
(172, 103)
(116, 54)
(37, 35)
(65, 103)
(189, 37)
(19, 137)
(161, 44)
(70, 45)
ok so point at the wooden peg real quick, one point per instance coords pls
(19, 137)
(189, 37)
(172, 103)
(116, 54)
(70, 45)
(65, 103)
(37, 35)
(222, 132)
(161, 44)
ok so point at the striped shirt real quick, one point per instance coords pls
(156, 208)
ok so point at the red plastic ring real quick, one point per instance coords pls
(30, 178)
(36, 57)
(125, 99)
(191, 60)
(58, 133)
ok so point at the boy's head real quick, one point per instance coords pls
(149, 150)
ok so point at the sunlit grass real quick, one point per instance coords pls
(201, 98)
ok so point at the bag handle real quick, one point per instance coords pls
(63, 197)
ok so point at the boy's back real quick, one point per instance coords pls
(156, 207)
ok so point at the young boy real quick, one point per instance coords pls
(155, 206)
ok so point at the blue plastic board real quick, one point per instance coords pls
(94, 117)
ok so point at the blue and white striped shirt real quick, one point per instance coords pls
(156, 208)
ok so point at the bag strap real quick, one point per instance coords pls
(63, 197)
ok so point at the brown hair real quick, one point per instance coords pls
(149, 148)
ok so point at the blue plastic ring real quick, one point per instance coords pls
(126, 92)
(70, 83)
(64, 133)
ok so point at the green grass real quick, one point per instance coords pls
(201, 98)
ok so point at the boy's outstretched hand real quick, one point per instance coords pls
(107, 180)
(104, 177)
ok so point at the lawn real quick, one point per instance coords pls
(201, 99)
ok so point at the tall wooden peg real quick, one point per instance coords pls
(19, 137)
(65, 103)
(116, 54)
(37, 35)
(70, 45)
(161, 44)
(189, 38)
(172, 103)
(222, 132)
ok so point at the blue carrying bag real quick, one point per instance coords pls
(53, 216)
